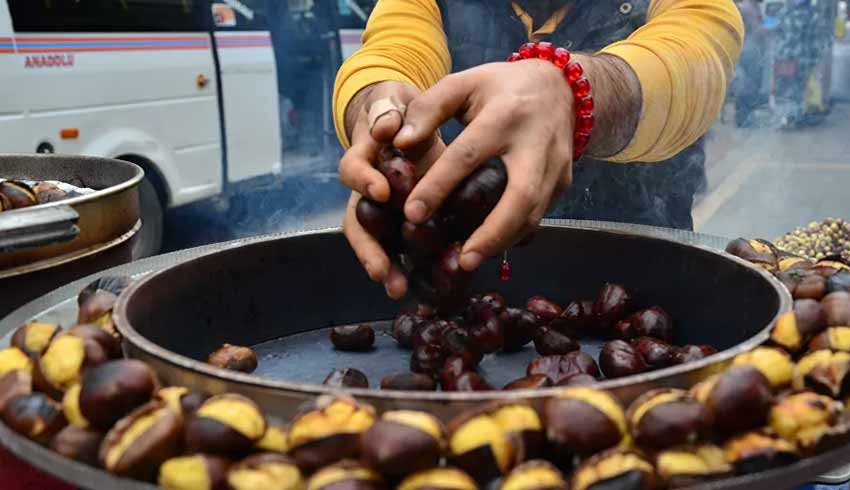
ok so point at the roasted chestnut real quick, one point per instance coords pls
(47, 192)
(34, 416)
(482, 307)
(409, 382)
(18, 194)
(263, 471)
(836, 308)
(833, 338)
(488, 442)
(111, 344)
(15, 383)
(487, 337)
(691, 465)
(793, 263)
(657, 353)
(652, 322)
(97, 310)
(33, 337)
(786, 332)
(234, 358)
(404, 327)
(612, 305)
(401, 175)
(353, 337)
(403, 442)
(736, 400)
(13, 359)
(618, 358)
(474, 198)
(533, 382)
(760, 252)
(111, 390)
(754, 452)
(823, 371)
(693, 353)
(544, 308)
(576, 318)
(583, 421)
(71, 407)
(804, 419)
(328, 432)
(426, 240)
(550, 342)
(558, 368)
(774, 364)
(454, 366)
(227, 424)
(78, 444)
(64, 360)
(534, 475)
(614, 469)
(427, 359)
(470, 381)
(345, 475)
(140, 442)
(182, 400)
(275, 439)
(812, 286)
(346, 378)
(5, 203)
(379, 220)
(840, 281)
(195, 472)
(663, 418)
(438, 479)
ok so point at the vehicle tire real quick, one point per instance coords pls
(149, 239)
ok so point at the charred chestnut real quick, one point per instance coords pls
(664, 418)
(140, 442)
(612, 305)
(15, 383)
(544, 308)
(234, 358)
(691, 465)
(18, 194)
(657, 353)
(353, 337)
(378, 219)
(64, 360)
(33, 337)
(736, 400)
(438, 479)
(265, 471)
(111, 390)
(225, 424)
(518, 328)
(488, 442)
(474, 198)
(97, 310)
(774, 364)
(693, 353)
(427, 359)
(195, 472)
(404, 327)
(558, 368)
(533, 382)
(833, 338)
(401, 175)
(836, 308)
(583, 421)
(78, 444)
(534, 475)
(614, 469)
(346, 378)
(482, 307)
(345, 475)
(812, 286)
(13, 359)
(328, 432)
(182, 400)
(550, 342)
(403, 442)
(804, 419)
(754, 452)
(840, 281)
(34, 416)
(487, 337)
(823, 371)
(409, 382)
(618, 358)
(426, 240)
(111, 344)
(759, 252)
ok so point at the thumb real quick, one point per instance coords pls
(385, 119)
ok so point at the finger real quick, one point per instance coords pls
(430, 109)
(510, 216)
(480, 141)
(395, 283)
(368, 251)
(385, 119)
(356, 170)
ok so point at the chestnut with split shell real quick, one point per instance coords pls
(193, 472)
(227, 424)
(234, 358)
(688, 466)
(614, 469)
(111, 390)
(140, 442)
(558, 368)
(345, 475)
(346, 378)
(401, 176)
(664, 418)
(583, 421)
(757, 451)
(736, 400)
(438, 479)
(263, 471)
(403, 442)
(534, 475)
(34, 337)
(34, 416)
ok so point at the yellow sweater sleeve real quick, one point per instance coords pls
(684, 57)
(403, 41)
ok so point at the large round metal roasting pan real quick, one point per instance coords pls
(280, 295)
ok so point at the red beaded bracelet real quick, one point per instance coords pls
(574, 75)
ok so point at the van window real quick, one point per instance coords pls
(109, 15)
(241, 15)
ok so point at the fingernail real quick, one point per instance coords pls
(416, 211)
(471, 260)
(406, 131)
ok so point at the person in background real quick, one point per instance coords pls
(797, 53)
(750, 74)
(658, 71)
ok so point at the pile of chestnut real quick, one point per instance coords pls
(16, 194)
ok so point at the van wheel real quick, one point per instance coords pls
(149, 239)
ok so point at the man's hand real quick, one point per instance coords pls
(372, 119)
(521, 112)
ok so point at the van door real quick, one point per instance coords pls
(12, 107)
(248, 78)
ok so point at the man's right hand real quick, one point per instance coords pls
(371, 125)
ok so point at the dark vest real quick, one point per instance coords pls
(661, 194)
